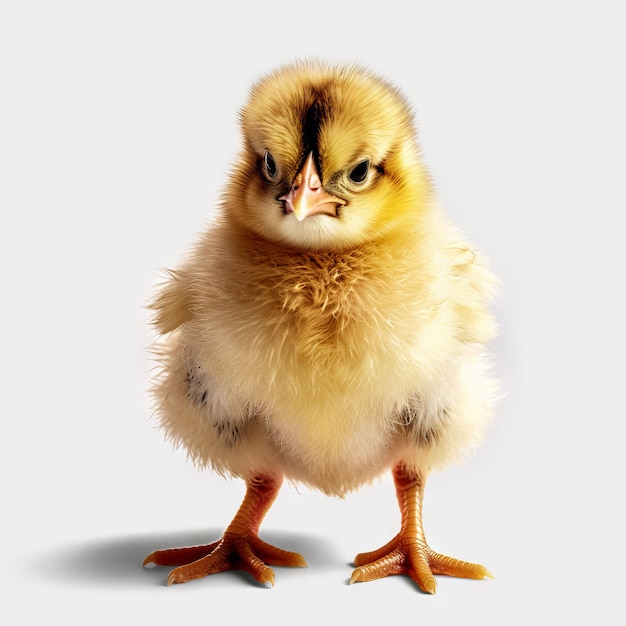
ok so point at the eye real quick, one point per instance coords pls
(359, 172)
(270, 165)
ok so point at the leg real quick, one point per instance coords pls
(239, 548)
(408, 552)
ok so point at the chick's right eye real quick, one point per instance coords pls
(270, 165)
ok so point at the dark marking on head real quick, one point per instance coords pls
(311, 127)
(312, 120)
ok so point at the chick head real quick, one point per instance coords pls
(329, 158)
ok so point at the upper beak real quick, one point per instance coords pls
(307, 196)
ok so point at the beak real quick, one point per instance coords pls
(308, 197)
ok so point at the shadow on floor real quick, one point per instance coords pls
(118, 560)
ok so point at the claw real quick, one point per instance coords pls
(428, 584)
(356, 576)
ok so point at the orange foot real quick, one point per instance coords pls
(239, 548)
(408, 552)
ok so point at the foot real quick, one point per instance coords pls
(408, 552)
(411, 556)
(233, 551)
(239, 548)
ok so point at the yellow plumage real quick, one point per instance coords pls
(331, 347)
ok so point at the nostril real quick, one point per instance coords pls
(297, 181)
(314, 182)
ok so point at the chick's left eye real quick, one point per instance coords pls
(359, 172)
(270, 165)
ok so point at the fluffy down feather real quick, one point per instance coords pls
(333, 353)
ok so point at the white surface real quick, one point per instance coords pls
(127, 127)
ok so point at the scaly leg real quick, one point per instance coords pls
(239, 548)
(408, 552)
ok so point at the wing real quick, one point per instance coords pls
(172, 305)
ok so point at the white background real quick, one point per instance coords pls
(119, 126)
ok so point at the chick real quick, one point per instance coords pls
(329, 326)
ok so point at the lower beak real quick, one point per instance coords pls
(307, 196)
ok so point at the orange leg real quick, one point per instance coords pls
(239, 548)
(408, 552)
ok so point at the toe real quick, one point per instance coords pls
(178, 556)
(448, 566)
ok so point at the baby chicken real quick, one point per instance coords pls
(328, 327)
